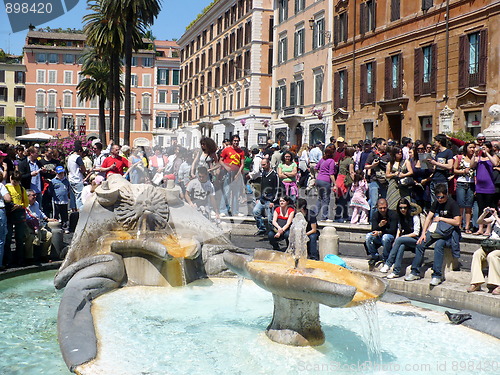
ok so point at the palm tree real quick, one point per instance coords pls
(135, 16)
(97, 71)
(107, 36)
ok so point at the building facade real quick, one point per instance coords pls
(166, 95)
(226, 73)
(53, 65)
(302, 105)
(12, 98)
(414, 68)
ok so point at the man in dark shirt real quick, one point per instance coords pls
(375, 169)
(384, 227)
(367, 150)
(269, 188)
(442, 163)
(312, 230)
(48, 172)
(445, 210)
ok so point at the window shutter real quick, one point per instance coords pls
(336, 30)
(374, 15)
(276, 98)
(315, 35)
(362, 85)
(417, 72)
(426, 4)
(362, 18)
(388, 78)
(2, 76)
(346, 89)
(319, 88)
(301, 92)
(483, 56)
(336, 94)
(374, 82)
(462, 62)
(434, 68)
(395, 10)
(401, 76)
(295, 44)
(346, 27)
(285, 49)
(284, 96)
(292, 93)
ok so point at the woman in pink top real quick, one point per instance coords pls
(325, 181)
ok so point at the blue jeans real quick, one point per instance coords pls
(312, 246)
(465, 194)
(376, 191)
(374, 242)
(275, 241)
(258, 210)
(231, 188)
(77, 188)
(3, 233)
(437, 265)
(324, 190)
(398, 249)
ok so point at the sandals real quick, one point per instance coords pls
(478, 234)
(468, 231)
(476, 288)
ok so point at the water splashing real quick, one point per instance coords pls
(368, 316)
(298, 238)
(238, 291)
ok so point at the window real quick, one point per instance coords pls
(52, 76)
(174, 121)
(297, 93)
(19, 131)
(299, 5)
(367, 16)
(146, 80)
(3, 94)
(299, 42)
(19, 112)
(473, 59)
(282, 10)
(39, 122)
(67, 99)
(146, 105)
(93, 102)
(19, 77)
(282, 49)
(318, 88)
(427, 4)
(133, 80)
(41, 58)
(52, 122)
(175, 96)
(341, 129)
(395, 10)
(19, 94)
(473, 121)
(161, 122)
(53, 58)
(319, 33)
(69, 59)
(40, 76)
(162, 78)
(93, 123)
(2, 111)
(368, 82)
(40, 101)
(175, 77)
(424, 80)
(51, 104)
(393, 77)
(81, 77)
(147, 62)
(340, 28)
(162, 96)
(68, 77)
(280, 97)
(134, 61)
(2, 75)
(340, 89)
(2, 132)
(81, 103)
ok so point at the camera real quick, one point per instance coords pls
(377, 159)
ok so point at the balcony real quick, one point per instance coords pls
(226, 117)
(292, 115)
(145, 111)
(51, 109)
(205, 121)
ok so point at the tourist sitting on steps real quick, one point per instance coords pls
(282, 219)
(447, 211)
(384, 227)
(489, 253)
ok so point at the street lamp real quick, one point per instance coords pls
(326, 33)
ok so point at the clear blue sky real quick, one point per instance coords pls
(171, 22)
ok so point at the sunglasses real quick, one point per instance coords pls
(403, 207)
(439, 197)
(420, 149)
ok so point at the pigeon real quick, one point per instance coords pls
(458, 318)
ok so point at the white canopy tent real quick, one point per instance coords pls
(32, 137)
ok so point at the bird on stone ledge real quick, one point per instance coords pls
(458, 318)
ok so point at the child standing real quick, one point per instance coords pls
(359, 203)
(59, 189)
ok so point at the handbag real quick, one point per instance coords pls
(441, 230)
(406, 181)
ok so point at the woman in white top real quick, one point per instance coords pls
(465, 183)
(408, 234)
(489, 255)
(303, 164)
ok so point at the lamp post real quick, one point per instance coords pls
(326, 33)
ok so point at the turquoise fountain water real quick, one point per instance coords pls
(199, 329)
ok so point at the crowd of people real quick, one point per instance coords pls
(379, 182)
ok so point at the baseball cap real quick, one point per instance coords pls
(59, 169)
(2, 153)
(36, 145)
(254, 148)
(340, 139)
(367, 142)
(275, 145)
(480, 135)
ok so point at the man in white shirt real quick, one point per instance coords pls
(315, 156)
(76, 175)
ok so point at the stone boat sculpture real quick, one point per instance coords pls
(131, 235)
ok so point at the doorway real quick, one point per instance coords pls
(394, 127)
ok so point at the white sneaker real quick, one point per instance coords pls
(412, 277)
(385, 268)
(435, 281)
(241, 215)
(392, 275)
(222, 214)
